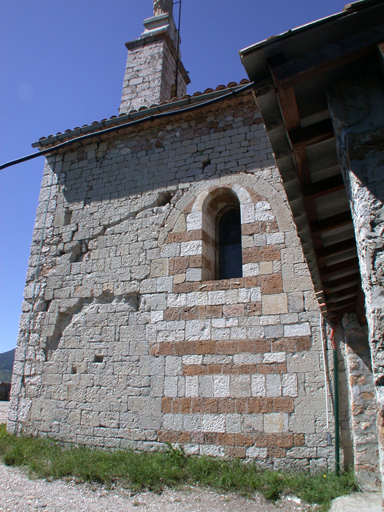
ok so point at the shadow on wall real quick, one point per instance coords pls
(157, 156)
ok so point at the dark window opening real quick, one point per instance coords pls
(229, 245)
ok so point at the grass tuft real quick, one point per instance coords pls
(49, 459)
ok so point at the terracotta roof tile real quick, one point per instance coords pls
(196, 94)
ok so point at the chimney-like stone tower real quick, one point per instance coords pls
(150, 73)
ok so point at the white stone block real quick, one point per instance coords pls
(256, 453)
(212, 450)
(213, 423)
(173, 422)
(251, 269)
(276, 422)
(274, 357)
(258, 385)
(193, 359)
(177, 300)
(303, 329)
(255, 294)
(273, 385)
(247, 358)
(170, 387)
(195, 221)
(221, 385)
(193, 274)
(191, 386)
(275, 304)
(253, 423)
(216, 298)
(233, 423)
(192, 422)
(196, 330)
(247, 213)
(289, 382)
(157, 316)
(173, 366)
(263, 211)
(191, 248)
(170, 250)
(275, 238)
(164, 284)
(197, 299)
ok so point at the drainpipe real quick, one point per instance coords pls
(336, 403)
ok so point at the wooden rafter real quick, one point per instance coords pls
(329, 57)
(323, 187)
(330, 223)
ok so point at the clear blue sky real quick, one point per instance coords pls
(62, 65)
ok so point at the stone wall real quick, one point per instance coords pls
(150, 75)
(362, 403)
(124, 342)
(357, 108)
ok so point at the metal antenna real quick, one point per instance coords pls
(178, 48)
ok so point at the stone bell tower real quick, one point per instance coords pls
(153, 62)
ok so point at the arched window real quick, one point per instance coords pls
(229, 254)
(221, 224)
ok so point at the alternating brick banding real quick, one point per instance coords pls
(226, 405)
(288, 345)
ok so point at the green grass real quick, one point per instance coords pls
(49, 459)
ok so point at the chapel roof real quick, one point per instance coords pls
(172, 105)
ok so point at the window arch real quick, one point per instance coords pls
(222, 253)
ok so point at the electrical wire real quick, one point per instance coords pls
(106, 131)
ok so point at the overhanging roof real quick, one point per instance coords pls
(292, 74)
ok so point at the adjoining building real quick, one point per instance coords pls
(168, 298)
(320, 91)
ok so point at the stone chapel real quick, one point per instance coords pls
(168, 298)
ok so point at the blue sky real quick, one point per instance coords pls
(63, 65)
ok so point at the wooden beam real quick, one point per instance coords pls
(303, 169)
(335, 296)
(325, 272)
(342, 304)
(288, 107)
(302, 138)
(327, 58)
(330, 285)
(339, 247)
(337, 315)
(324, 187)
(330, 223)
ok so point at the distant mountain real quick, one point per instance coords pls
(6, 365)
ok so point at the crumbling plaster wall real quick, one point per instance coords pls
(122, 344)
(357, 109)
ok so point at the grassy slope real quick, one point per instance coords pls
(49, 459)
(6, 365)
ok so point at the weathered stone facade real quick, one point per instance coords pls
(127, 335)
(131, 340)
